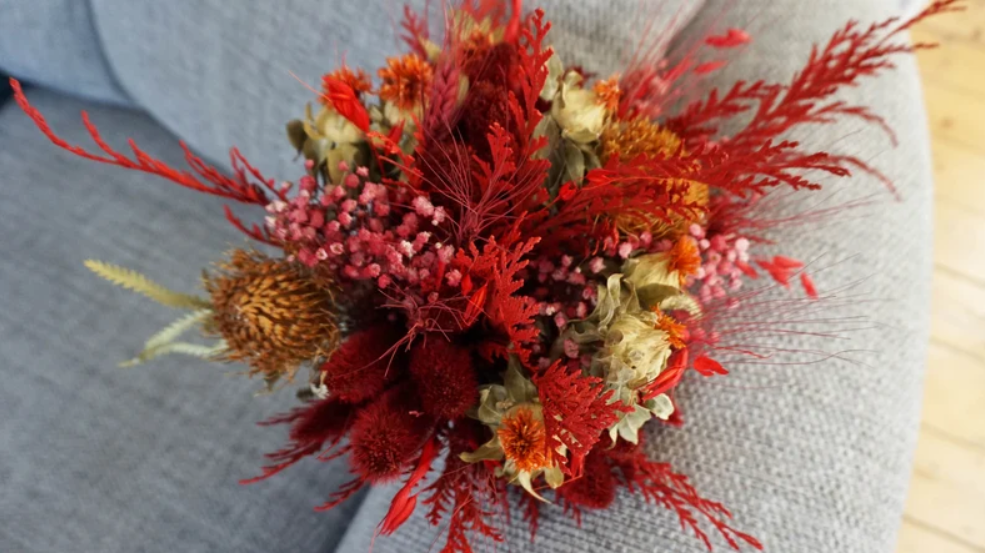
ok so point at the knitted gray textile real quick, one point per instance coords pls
(810, 455)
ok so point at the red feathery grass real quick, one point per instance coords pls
(246, 186)
(315, 427)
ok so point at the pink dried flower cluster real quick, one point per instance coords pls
(724, 261)
(363, 231)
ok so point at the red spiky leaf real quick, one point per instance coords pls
(246, 186)
(465, 492)
(315, 427)
(657, 483)
(577, 409)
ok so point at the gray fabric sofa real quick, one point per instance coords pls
(811, 456)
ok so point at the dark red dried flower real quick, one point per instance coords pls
(596, 489)
(364, 365)
(493, 64)
(387, 435)
(444, 376)
(487, 103)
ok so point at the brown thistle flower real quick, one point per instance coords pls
(405, 81)
(271, 315)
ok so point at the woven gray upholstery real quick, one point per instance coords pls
(810, 456)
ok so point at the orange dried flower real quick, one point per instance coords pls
(524, 439)
(676, 332)
(357, 80)
(684, 257)
(608, 93)
(405, 81)
(270, 314)
(629, 140)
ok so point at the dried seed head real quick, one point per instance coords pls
(271, 314)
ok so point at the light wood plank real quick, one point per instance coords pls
(916, 538)
(954, 64)
(959, 173)
(965, 27)
(954, 398)
(959, 240)
(958, 314)
(947, 491)
(955, 115)
(946, 506)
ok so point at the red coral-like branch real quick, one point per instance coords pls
(509, 316)
(659, 484)
(577, 409)
(244, 186)
(464, 492)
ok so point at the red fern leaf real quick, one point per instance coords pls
(464, 492)
(314, 427)
(577, 410)
(657, 483)
(510, 317)
(246, 186)
(644, 189)
(756, 158)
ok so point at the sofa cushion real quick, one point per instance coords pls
(54, 43)
(218, 74)
(97, 458)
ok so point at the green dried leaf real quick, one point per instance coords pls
(296, 134)
(139, 283)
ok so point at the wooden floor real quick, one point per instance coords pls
(945, 512)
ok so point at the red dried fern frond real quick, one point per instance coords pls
(315, 427)
(246, 186)
(577, 410)
(465, 493)
(644, 190)
(509, 316)
(657, 483)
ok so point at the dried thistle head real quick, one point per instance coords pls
(271, 314)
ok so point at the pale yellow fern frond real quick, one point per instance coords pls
(171, 332)
(137, 282)
(184, 348)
